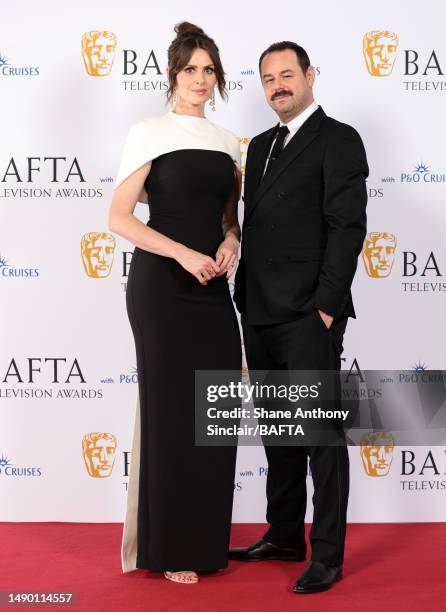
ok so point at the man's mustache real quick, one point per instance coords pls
(281, 92)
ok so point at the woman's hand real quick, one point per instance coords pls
(203, 267)
(227, 256)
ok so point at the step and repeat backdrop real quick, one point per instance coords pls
(72, 82)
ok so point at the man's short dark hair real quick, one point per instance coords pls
(302, 56)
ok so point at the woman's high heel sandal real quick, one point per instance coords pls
(184, 577)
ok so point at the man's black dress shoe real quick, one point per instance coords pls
(265, 551)
(317, 577)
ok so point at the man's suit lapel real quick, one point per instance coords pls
(298, 143)
(257, 163)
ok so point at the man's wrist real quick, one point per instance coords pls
(326, 318)
(326, 314)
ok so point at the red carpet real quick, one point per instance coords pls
(388, 567)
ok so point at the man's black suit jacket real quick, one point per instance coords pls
(304, 223)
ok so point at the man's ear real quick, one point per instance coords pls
(310, 76)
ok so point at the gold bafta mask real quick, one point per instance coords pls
(97, 250)
(378, 253)
(98, 451)
(379, 49)
(377, 453)
(244, 142)
(98, 52)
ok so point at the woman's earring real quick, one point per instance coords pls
(212, 100)
(173, 99)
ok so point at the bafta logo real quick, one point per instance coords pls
(377, 453)
(97, 250)
(98, 52)
(244, 142)
(98, 451)
(379, 48)
(378, 253)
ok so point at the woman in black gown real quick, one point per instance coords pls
(187, 168)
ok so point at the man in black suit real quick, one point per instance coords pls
(304, 225)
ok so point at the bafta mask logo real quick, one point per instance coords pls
(244, 142)
(97, 250)
(377, 453)
(99, 450)
(378, 253)
(379, 49)
(98, 52)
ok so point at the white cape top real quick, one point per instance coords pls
(155, 136)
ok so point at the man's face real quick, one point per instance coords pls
(99, 55)
(380, 55)
(379, 257)
(377, 459)
(101, 457)
(287, 89)
(99, 256)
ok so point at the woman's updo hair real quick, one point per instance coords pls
(190, 37)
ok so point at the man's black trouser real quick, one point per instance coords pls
(303, 344)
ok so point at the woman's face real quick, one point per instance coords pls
(196, 81)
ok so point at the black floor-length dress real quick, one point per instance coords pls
(180, 495)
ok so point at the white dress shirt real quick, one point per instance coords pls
(294, 125)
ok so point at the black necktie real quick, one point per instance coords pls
(278, 146)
